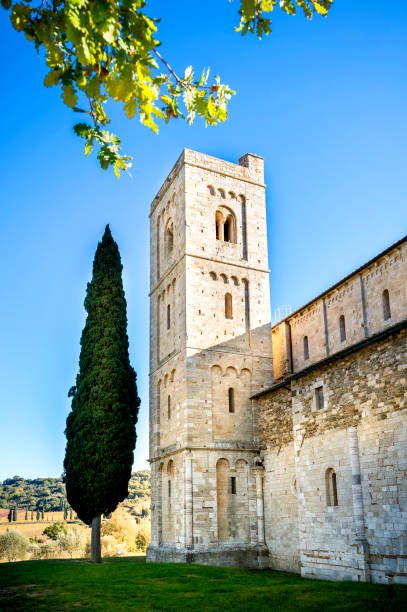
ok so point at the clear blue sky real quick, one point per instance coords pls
(323, 102)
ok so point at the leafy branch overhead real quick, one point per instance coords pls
(97, 50)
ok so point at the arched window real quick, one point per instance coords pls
(228, 306)
(169, 237)
(306, 349)
(386, 305)
(169, 407)
(225, 225)
(231, 398)
(212, 275)
(168, 316)
(342, 328)
(331, 490)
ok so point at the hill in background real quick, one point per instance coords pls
(48, 494)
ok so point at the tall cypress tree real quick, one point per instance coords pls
(100, 428)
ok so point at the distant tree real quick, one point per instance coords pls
(70, 514)
(38, 515)
(32, 515)
(65, 513)
(53, 530)
(26, 514)
(15, 513)
(100, 428)
(42, 513)
(13, 545)
(10, 515)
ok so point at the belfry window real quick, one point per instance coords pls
(386, 305)
(342, 328)
(306, 349)
(168, 316)
(231, 399)
(233, 485)
(225, 225)
(169, 407)
(228, 306)
(331, 489)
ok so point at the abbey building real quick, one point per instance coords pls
(283, 446)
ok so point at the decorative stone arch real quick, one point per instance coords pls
(222, 473)
(222, 193)
(232, 195)
(231, 371)
(224, 278)
(235, 280)
(211, 190)
(213, 275)
(172, 375)
(216, 373)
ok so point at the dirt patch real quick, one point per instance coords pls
(22, 589)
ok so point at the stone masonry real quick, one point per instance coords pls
(286, 446)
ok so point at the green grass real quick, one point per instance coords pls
(131, 584)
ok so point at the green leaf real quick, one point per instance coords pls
(320, 9)
(52, 78)
(69, 96)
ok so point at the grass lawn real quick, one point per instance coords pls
(131, 584)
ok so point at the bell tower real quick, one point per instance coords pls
(210, 350)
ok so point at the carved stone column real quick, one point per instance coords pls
(189, 540)
(361, 543)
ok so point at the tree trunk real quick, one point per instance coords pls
(95, 553)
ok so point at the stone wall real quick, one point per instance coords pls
(360, 434)
(358, 299)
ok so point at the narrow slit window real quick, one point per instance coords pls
(331, 488)
(233, 485)
(168, 316)
(169, 407)
(342, 328)
(169, 489)
(231, 397)
(228, 306)
(386, 305)
(306, 348)
(319, 398)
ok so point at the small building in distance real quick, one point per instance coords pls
(281, 446)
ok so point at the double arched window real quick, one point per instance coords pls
(225, 224)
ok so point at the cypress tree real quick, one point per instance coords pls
(10, 515)
(15, 514)
(42, 513)
(100, 428)
(38, 515)
(32, 515)
(70, 514)
(26, 514)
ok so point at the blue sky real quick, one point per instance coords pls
(324, 102)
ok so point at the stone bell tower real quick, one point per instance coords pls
(210, 350)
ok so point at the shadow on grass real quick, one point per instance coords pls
(131, 584)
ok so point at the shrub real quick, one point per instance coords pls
(53, 530)
(72, 542)
(109, 545)
(48, 550)
(13, 545)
